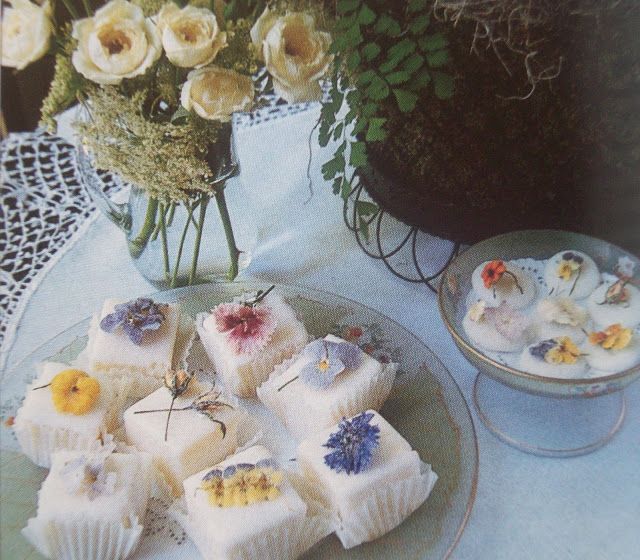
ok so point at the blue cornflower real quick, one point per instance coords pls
(354, 443)
(135, 317)
(328, 360)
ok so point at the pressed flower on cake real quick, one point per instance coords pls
(571, 273)
(498, 281)
(353, 444)
(555, 357)
(64, 409)
(328, 380)
(500, 329)
(613, 349)
(135, 317)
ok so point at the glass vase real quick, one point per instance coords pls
(207, 237)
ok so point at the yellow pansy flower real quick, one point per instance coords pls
(565, 352)
(614, 337)
(74, 392)
(566, 269)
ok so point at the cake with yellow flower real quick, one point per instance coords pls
(92, 505)
(613, 349)
(246, 507)
(63, 409)
(135, 343)
(185, 426)
(571, 274)
(499, 282)
(328, 380)
(554, 357)
(245, 339)
(366, 474)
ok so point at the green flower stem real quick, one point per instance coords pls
(71, 9)
(87, 8)
(172, 211)
(165, 245)
(138, 244)
(234, 253)
(204, 201)
(190, 210)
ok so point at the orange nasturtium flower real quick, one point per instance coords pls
(492, 272)
(614, 337)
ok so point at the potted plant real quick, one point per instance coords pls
(479, 117)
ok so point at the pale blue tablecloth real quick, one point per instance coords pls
(526, 507)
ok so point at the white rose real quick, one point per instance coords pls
(296, 55)
(190, 36)
(216, 93)
(261, 27)
(117, 42)
(26, 33)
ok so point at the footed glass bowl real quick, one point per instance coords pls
(527, 410)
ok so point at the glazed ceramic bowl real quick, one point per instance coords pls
(539, 245)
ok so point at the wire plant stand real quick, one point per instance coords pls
(409, 253)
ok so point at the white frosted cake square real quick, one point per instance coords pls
(91, 505)
(329, 380)
(63, 409)
(247, 338)
(201, 430)
(370, 485)
(245, 508)
(134, 340)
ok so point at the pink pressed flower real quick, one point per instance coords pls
(509, 322)
(248, 328)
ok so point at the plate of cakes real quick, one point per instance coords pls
(549, 312)
(234, 421)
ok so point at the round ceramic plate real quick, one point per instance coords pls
(425, 406)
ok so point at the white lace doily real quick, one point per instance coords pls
(44, 209)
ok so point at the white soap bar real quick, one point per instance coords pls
(370, 503)
(606, 314)
(41, 430)
(580, 283)
(305, 409)
(242, 373)
(517, 295)
(232, 532)
(115, 353)
(193, 440)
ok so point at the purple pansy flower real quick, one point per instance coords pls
(328, 360)
(540, 350)
(353, 444)
(135, 317)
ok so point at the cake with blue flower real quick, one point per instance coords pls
(92, 505)
(63, 409)
(135, 342)
(247, 507)
(185, 426)
(328, 380)
(245, 339)
(366, 474)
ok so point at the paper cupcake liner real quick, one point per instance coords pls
(83, 539)
(303, 422)
(285, 542)
(245, 380)
(383, 509)
(39, 442)
(133, 382)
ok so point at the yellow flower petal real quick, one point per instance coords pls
(74, 392)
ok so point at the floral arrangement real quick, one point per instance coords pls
(160, 82)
